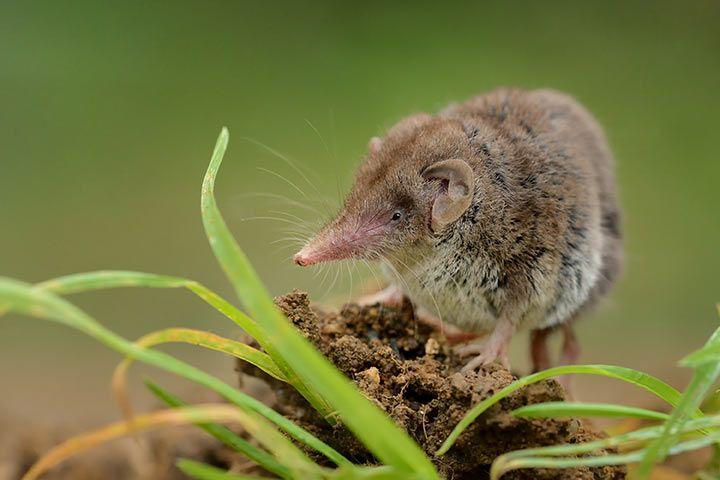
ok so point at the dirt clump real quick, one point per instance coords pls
(411, 372)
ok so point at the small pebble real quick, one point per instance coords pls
(372, 375)
(432, 347)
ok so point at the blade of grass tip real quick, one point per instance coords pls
(710, 352)
(173, 417)
(702, 380)
(24, 299)
(504, 465)
(225, 435)
(378, 433)
(643, 380)
(203, 471)
(215, 230)
(194, 337)
(586, 410)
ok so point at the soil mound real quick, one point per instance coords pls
(410, 371)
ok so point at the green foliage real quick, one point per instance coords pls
(569, 456)
(201, 471)
(383, 438)
(643, 380)
(703, 379)
(214, 342)
(586, 410)
(226, 436)
(288, 356)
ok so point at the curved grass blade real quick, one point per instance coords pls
(202, 471)
(504, 464)
(22, 298)
(212, 341)
(586, 410)
(225, 435)
(622, 441)
(708, 353)
(378, 433)
(295, 459)
(193, 337)
(703, 379)
(224, 250)
(107, 279)
(642, 380)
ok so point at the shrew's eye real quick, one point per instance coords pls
(396, 216)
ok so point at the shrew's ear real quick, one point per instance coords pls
(374, 145)
(456, 191)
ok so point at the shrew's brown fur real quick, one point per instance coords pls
(540, 240)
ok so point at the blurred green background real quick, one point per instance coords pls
(108, 113)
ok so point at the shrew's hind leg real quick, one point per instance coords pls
(568, 356)
(571, 346)
(539, 353)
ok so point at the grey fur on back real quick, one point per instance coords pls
(541, 240)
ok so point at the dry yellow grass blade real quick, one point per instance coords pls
(256, 425)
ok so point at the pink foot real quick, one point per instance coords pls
(485, 353)
(494, 348)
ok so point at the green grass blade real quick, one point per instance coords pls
(624, 440)
(505, 464)
(702, 381)
(383, 472)
(225, 435)
(586, 410)
(202, 471)
(380, 435)
(643, 380)
(83, 282)
(23, 298)
(107, 279)
(238, 269)
(709, 354)
(213, 342)
(286, 452)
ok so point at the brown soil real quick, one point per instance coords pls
(412, 374)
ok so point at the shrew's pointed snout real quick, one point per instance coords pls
(317, 252)
(339, 240)
(330, 246)
(304, 258)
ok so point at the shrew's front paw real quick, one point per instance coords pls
(485, 353)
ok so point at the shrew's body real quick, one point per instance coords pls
(495, 214)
